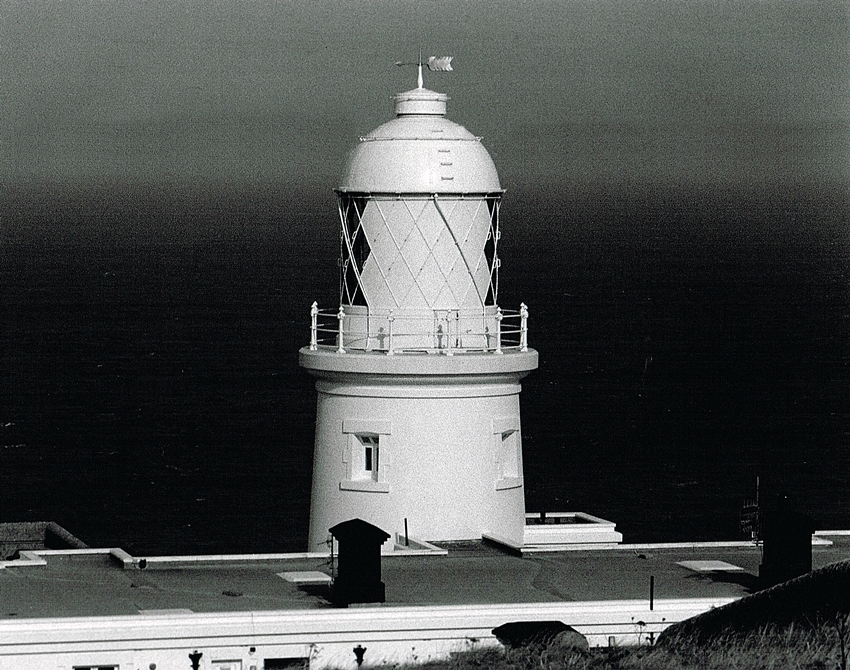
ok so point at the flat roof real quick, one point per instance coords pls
(71, 583)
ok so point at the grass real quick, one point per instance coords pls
(770, 647)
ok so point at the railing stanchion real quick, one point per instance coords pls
(314, 326)
(340, 349)
(390, 319)
(523, 327)
(499, 317)
(449, 351)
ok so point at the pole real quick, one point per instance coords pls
(651, 592)
(340, 349)
(523, 328)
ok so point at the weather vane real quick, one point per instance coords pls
(433, 63)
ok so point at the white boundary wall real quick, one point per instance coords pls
(326, 638)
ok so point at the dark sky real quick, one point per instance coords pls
(193, 120)
(205, 94)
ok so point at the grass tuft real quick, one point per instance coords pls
(771, 647)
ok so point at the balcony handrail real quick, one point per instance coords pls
(335, 329)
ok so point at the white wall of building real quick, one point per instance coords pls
(443, 463)
(325, 639)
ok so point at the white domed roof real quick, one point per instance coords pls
(420, 151)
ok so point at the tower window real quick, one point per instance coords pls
(370, 455)
(510, 466)
(365, 455)
(507, 452)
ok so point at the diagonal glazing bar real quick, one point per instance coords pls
(446, 275)
(350, 248)
(481, 253)
(399, 253)
(344, 261)
(494, 268)
(414, 274)
(459, 248)
(461, 300)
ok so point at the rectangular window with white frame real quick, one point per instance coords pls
(365, 457)
(365, 452)
(507, 452)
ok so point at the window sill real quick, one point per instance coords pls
(508, 483)
(364, 485)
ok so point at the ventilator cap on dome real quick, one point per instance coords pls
(420, 101)
(420, 151)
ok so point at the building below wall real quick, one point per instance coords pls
(102, 608)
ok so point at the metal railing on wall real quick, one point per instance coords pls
(444, 332)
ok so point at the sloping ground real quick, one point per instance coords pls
(789, 648)
(816, 597)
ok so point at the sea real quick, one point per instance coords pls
(693, 354)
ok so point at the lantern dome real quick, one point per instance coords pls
(420, 151)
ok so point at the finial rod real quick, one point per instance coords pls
(434, 63)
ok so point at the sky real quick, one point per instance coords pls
(153, 109)
(240, 94)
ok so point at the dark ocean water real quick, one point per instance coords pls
(150, 396)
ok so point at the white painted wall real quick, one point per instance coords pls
(326, 638)
(441, 457)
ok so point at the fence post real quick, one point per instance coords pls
(314, 326)
(499, 317)
(523, 327)
(340, 317)
(390, 319)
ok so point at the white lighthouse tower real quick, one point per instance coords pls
(418, 370)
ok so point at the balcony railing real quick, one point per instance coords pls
(447, 332)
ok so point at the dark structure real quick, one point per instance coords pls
(787, 546)
(29, 535)
(358, 577)
(526, 633)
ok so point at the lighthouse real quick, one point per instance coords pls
(418, 368)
